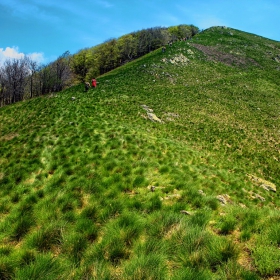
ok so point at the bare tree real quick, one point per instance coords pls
(13, 78)
(54, 76)
(46, 78)
(2, 87)
(34, 68)
(61, 69)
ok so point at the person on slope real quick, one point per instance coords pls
(93, 82)
(87, 86)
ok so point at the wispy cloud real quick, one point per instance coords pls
(28, 10)
(104, 4)
(36, 56)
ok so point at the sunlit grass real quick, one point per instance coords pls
(92, 189)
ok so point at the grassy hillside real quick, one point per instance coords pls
(92, 188)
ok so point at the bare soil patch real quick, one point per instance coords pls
(9, 136)
(214, 54)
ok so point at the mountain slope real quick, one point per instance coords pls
(209, 95)
(92, 188)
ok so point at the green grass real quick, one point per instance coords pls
(92, 189)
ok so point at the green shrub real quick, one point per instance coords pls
(266, 259)
(151, 245)
(45, 238)
(151, 266)
(250, 220)
(74, 245)
(139, 181)
(219, 252)
(191, 273)
(113, 247)
(21, 227)
(90, 212)
(44, 267)
(162, 222)
(231, 270)
(211, 202)
(190, 240)
(7, 268)
(26, 257)
(245, 235)
(110, 208)
(201, 218)
(87, 228)
(153, 204)
(274, 233)
(116, 251)
(15, 197)
(227, 224)
(94, 270)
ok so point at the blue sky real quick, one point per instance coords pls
(45, 29)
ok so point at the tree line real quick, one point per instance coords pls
(24, 78)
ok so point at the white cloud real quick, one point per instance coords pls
(11, 53)
(14, 53)
(38, 57)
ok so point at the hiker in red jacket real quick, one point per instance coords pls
(93, 83)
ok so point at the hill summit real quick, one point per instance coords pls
(168, 169)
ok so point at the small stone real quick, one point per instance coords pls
(242, 205)
(224, 198)
(153, 117)
(201, 192)
(259, 197)
(176, 195)
(185, 212)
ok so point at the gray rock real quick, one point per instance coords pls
(185, 212)
(266, 185)
(259, 197)
(153, 117)
(201, 192)
(175, 195)
(150, 114)
(224, 198)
